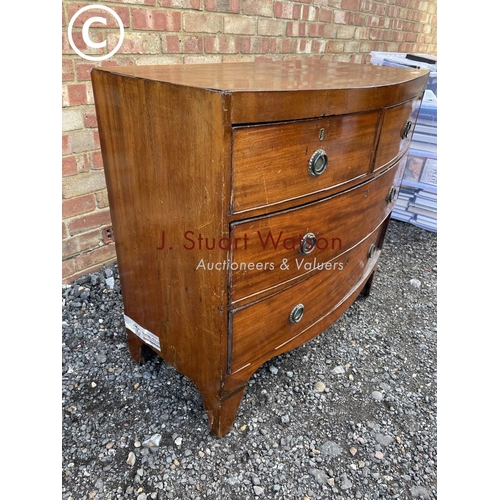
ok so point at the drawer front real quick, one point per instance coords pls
(338, 223)
(283, 161)
(398, 123)
(261, 328)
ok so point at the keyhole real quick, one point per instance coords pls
(321, 134)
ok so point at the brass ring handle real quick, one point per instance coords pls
(307, 244)
(392, 194)
(318, 163)
(297, 313)
(371, 251)
(406, 129)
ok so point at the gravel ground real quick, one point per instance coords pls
(350, 415)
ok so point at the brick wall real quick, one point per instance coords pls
(203, 31)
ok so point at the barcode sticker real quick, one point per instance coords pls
(145, 335)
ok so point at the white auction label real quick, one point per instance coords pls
(145, 335)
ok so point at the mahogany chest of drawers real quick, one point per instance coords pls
(249, 203)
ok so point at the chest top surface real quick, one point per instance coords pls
(269, 76)
(286, 90)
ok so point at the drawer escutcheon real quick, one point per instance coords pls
(307, 244)
(406, 129)
(318, 163)
(371, 251)
(391, 196)
(297, 313)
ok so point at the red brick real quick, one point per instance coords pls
(330, 31)
(89, 221)
(411, 37)
(388, 36)
(335, 46)
(80, 43)
(96, 161)
(350, 4)
(99, 256)
(68, 269)
(83, 69)
(90, 118)
(69, 166)
(77, 94)
(66, 147)
(316, 29)
(288, 46)
(80, 243)
(357, 19)
(65, 233)
(156, 20)
(325, 15)
(190, 44)
(222, 5)
(68, 73)
(97, 141)
(78, 205)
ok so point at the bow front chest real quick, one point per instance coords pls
(249, 203)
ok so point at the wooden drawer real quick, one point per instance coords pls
(265, 326)
(394, 138)
(270, 163)
(338, 223)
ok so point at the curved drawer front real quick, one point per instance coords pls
(274, 163)
(398, 123)
(261, 328)
(280, 243)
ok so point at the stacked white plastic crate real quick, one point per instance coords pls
(417, 201)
